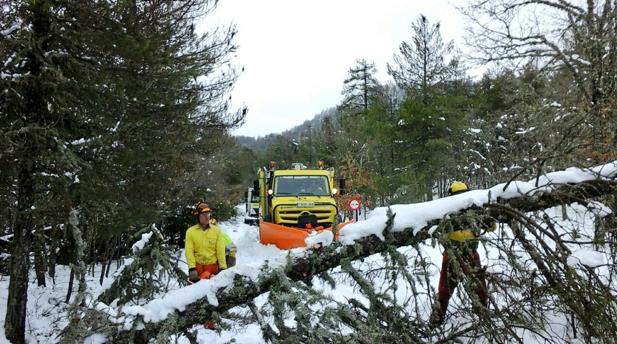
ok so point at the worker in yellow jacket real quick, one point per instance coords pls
(460, 258)
(204, 245)
(230, 251)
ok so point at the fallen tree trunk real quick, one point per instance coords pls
(316, 261)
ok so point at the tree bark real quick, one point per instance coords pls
(104, 263)
(40, 263)
(79, 266)
(29, 144)
(69, 291)
(52, 253)
(15, 323)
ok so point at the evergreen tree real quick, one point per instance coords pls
(383, 162)
(360, 88)
(110, 104)
(429, 122)
(424, 62)
(428, 137)
(326, 147)
(41, 119)
(360, 91)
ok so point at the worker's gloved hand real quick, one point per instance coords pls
(193, 276)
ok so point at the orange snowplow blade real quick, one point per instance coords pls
(287, 237)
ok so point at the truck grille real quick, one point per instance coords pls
(288, 215)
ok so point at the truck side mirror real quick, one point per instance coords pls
(341, 186)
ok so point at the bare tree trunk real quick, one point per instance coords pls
(70, 289)
(104, 263)
(52, 254)
(15, 323)
(79, 267)
(91, 248)
(38, 248)
(108, 267)
(429, 189)
(113, 254)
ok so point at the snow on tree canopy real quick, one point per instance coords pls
(138, 246)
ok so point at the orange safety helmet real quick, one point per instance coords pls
(201, 207)
(457, 188)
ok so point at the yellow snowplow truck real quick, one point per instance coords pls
(294, 203)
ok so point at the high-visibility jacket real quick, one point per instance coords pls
(205, 247)
(468, 239)
(230, 247)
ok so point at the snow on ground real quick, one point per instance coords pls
(47, 312)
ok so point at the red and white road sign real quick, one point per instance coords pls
(354, 204)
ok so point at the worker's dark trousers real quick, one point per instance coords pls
(470, 266)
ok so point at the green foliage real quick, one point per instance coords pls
(360, 88)
(425, 61)
(112, 108)
(148, 275)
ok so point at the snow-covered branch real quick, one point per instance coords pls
(181, 309)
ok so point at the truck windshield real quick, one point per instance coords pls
(301, 185)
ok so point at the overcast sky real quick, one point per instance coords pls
(296, 53)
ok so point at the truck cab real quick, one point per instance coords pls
(295, 203)
(298, 197)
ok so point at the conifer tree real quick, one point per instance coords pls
(40, 121)
(110, 104)
(360, 91)
(425, 61)
(360, 88)
(428, 122)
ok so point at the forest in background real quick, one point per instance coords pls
(115, 115)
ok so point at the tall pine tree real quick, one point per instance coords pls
(108, 106)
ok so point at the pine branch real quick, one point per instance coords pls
(317, 261)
